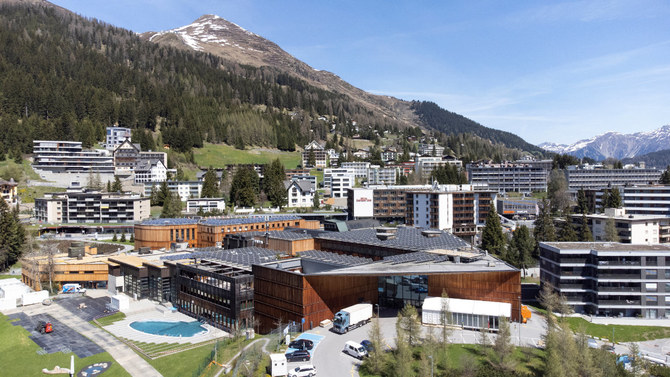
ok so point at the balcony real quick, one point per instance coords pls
(620, 289)
(619, 276)
(620, 302)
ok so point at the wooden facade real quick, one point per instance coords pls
(291, 296)
(201, 235)
(291, 247)
(500, 286)
(90, 272)
(163, 236)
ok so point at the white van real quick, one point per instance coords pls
(355, 349)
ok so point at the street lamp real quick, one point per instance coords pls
(377, 307)
(431, 365)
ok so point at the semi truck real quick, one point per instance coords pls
(352, 317)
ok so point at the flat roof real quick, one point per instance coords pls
(286, 235)
(407, 238)
(242, 257)
(607, 246)
(340, 259)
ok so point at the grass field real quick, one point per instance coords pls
(219, 155)
(622, 333)
(29, 193)
(19, 357)
(104, 321)
(10, 277)
(20, 172)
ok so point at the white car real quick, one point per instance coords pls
(303, 371)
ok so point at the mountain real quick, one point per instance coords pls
(215, 35)
(616, 145)
(659, 159)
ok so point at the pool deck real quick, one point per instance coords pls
(122, 329)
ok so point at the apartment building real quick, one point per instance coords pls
(631, 229)
(430, 150)
(525, 177)
(205, 205)
(115, 136)
(299, 193)
(425, 165)
(609, 279)
(338, 180)
(319, 153)
(637, 199)
(185, 189)
(69, 157)
(150, 171)
(9, 192)
(87, 206)
(129, 156)
(360, 168)
(382, 175)
(596, 177)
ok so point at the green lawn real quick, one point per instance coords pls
(20, 172)
(622, 333)
(105, 321)
(219, 155)
(19, 357)
(28, 194)
(318, 174)
(10, 277)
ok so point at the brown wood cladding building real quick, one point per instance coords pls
(163, 233)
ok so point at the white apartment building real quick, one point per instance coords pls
(87, 206)
(510, 176)
(338, 180)
(319, 153)
(150, 171)
(69, 157)
(432, 210)
(595, 177)
(382, 176)
(360, 168)
(299, 193)
(632, 229)
(430, 150)
(116, 136)
(185, 189)
(425, 165)
(205, 205)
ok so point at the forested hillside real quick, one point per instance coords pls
(462, 131)
(65, 77)
(660, 159)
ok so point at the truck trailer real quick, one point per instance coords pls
(352, 317)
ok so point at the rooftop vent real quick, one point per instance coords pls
(386, 233)
(431, 233)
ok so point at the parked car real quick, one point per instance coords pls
(354, 349)
(301, 355)
(592, 343)
(303, 371)
(367, 345)
(302, 344)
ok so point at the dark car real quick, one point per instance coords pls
(367, 345)
(301, 355)
(302, 344)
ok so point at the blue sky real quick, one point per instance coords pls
(553, 71)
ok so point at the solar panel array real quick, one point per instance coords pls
(407, 238)
(247, 220)
(245, 256)
(325, 256)
(175, 221)
(417, 257)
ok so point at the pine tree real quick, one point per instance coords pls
(585, 234)
(244, 187)
(614, 198)
(210, 186)
(132, 237)
(493, 239)
(582, 202)
(611, 233)
(410, 324)
(109, 186)
(12, 236)
(114, 239)
(521, 248)
(163, 194)
(116, 186)
(605, 200)
(316, 201)
(665, 177)
(171, 206)
(502, 346)
(311, 158)
(544, 224)
(377, 357)
(273, 183)
(123, 237)
(567, 233)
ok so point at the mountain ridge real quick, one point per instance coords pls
(615, 144)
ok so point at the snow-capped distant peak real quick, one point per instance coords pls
(615, 144)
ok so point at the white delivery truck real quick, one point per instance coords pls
(73, 288)
(352, 317)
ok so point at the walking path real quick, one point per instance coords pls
(127, 358)
(265, 340)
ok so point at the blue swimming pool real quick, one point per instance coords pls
(178, 329)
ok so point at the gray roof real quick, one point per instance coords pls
(606, 246)
(172, 221)
(242, 257)
(305, 186)
(340, 259)
(362, 224)
(286, 235)
(407, 238)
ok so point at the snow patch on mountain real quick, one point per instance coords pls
(615, 144)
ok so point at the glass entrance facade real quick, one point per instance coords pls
(396, 291)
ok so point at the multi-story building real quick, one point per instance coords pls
(320, 156)
(69, 157)
(521, 207)
(338, 181)
(633, 229)
(150, 171)
(389, 155)
(8, 190)
(523, 177)
(86, 206)
(299, 193)
(129, 156)
(597, 177)
(360, 168)
(424, 166)
(205, 205)
(116, 136)
(382, 176)
(185, 189)
(609, 278)
(434, 150)
(646, 200)
(311, 179)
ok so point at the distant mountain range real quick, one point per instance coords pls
(616, 145)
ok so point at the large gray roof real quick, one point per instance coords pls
(407, 238)
(341, 259)
(242, 257)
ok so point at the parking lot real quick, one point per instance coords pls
(330, 361)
